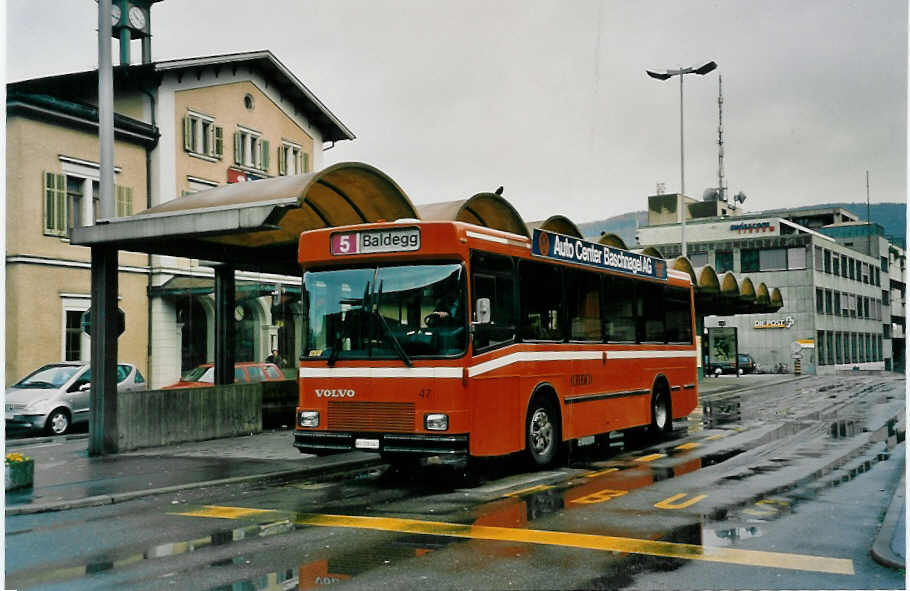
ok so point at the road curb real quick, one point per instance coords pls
(46, 439)
(321, 466)
(881, 549)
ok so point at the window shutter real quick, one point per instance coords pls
(298, 162)
(219, 141)
(282, 160)
(124, 205)
(187, 134)
(306, 162)
(265, 155)
(54, 203)
(238, 148)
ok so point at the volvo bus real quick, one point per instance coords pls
(452, 340)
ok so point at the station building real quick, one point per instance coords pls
(841, 281)
(181, 126)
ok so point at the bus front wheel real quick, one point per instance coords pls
(542, 433)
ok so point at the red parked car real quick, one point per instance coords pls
(244, 372)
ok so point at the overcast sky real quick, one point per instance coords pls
(550, 99)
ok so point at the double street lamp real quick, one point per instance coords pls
(701, 70)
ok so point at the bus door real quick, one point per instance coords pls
(494, 396)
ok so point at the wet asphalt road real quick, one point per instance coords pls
(739, 496)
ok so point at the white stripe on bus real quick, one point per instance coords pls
(480, 368)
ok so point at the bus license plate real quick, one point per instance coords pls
(366, 443)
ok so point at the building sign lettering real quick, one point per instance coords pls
(778, 323)
(752, 227)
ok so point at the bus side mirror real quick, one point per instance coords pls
(482, 310)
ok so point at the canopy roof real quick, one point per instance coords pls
(483, 209)
(557, 223)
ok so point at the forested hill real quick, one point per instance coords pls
(891, 216)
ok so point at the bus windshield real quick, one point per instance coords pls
(385, 312)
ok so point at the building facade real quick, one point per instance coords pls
(837, 310)
(182, 126)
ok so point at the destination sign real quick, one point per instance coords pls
(374, 241)
(575, 250)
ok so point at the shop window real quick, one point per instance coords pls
(698, 259)
(796, 257)
(773, 259)
(723, 260)
(748, 260)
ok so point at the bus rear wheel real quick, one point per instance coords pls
(542, 435)
(661, 421)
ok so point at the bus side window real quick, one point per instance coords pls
(583, 293)
(651, 313)
(677, 313)
(492, 277)
(541, 302)
(619, 310)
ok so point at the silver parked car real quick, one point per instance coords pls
(56, 396)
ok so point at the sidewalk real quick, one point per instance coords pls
(66, 477)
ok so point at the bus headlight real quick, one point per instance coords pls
(436, 422)
(308, 418)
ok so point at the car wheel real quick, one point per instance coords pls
(542, 433)
(58, 422)
(661, 421)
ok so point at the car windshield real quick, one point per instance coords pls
(388, 312)
(203, 373)
(49, 376)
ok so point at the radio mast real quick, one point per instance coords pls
(721, 186)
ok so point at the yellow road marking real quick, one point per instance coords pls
(225, 512)
(601, 472)
(782, 560)
(650, 458)
(670, 502)
(530, 489)
(718, 436)
(691, 445)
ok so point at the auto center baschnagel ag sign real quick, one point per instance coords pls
(575, 250)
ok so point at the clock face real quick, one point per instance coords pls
(137, 17)
(115, 15)
(239, 313)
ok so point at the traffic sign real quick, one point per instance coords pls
(86, 322)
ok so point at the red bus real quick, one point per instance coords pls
(455, 340)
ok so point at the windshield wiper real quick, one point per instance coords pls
(388, 331)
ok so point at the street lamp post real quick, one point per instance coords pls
(701, 70)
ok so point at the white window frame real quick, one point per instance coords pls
(74, 302)
(250, 150)
(292, 159)
(201, 137)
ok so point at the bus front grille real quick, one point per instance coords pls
(392, 417)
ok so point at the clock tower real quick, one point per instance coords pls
(131, 19)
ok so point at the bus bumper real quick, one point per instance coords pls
(321, 442)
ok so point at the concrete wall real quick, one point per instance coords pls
(162, 417)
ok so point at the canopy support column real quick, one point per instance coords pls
(103, 437)
(225, 296)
